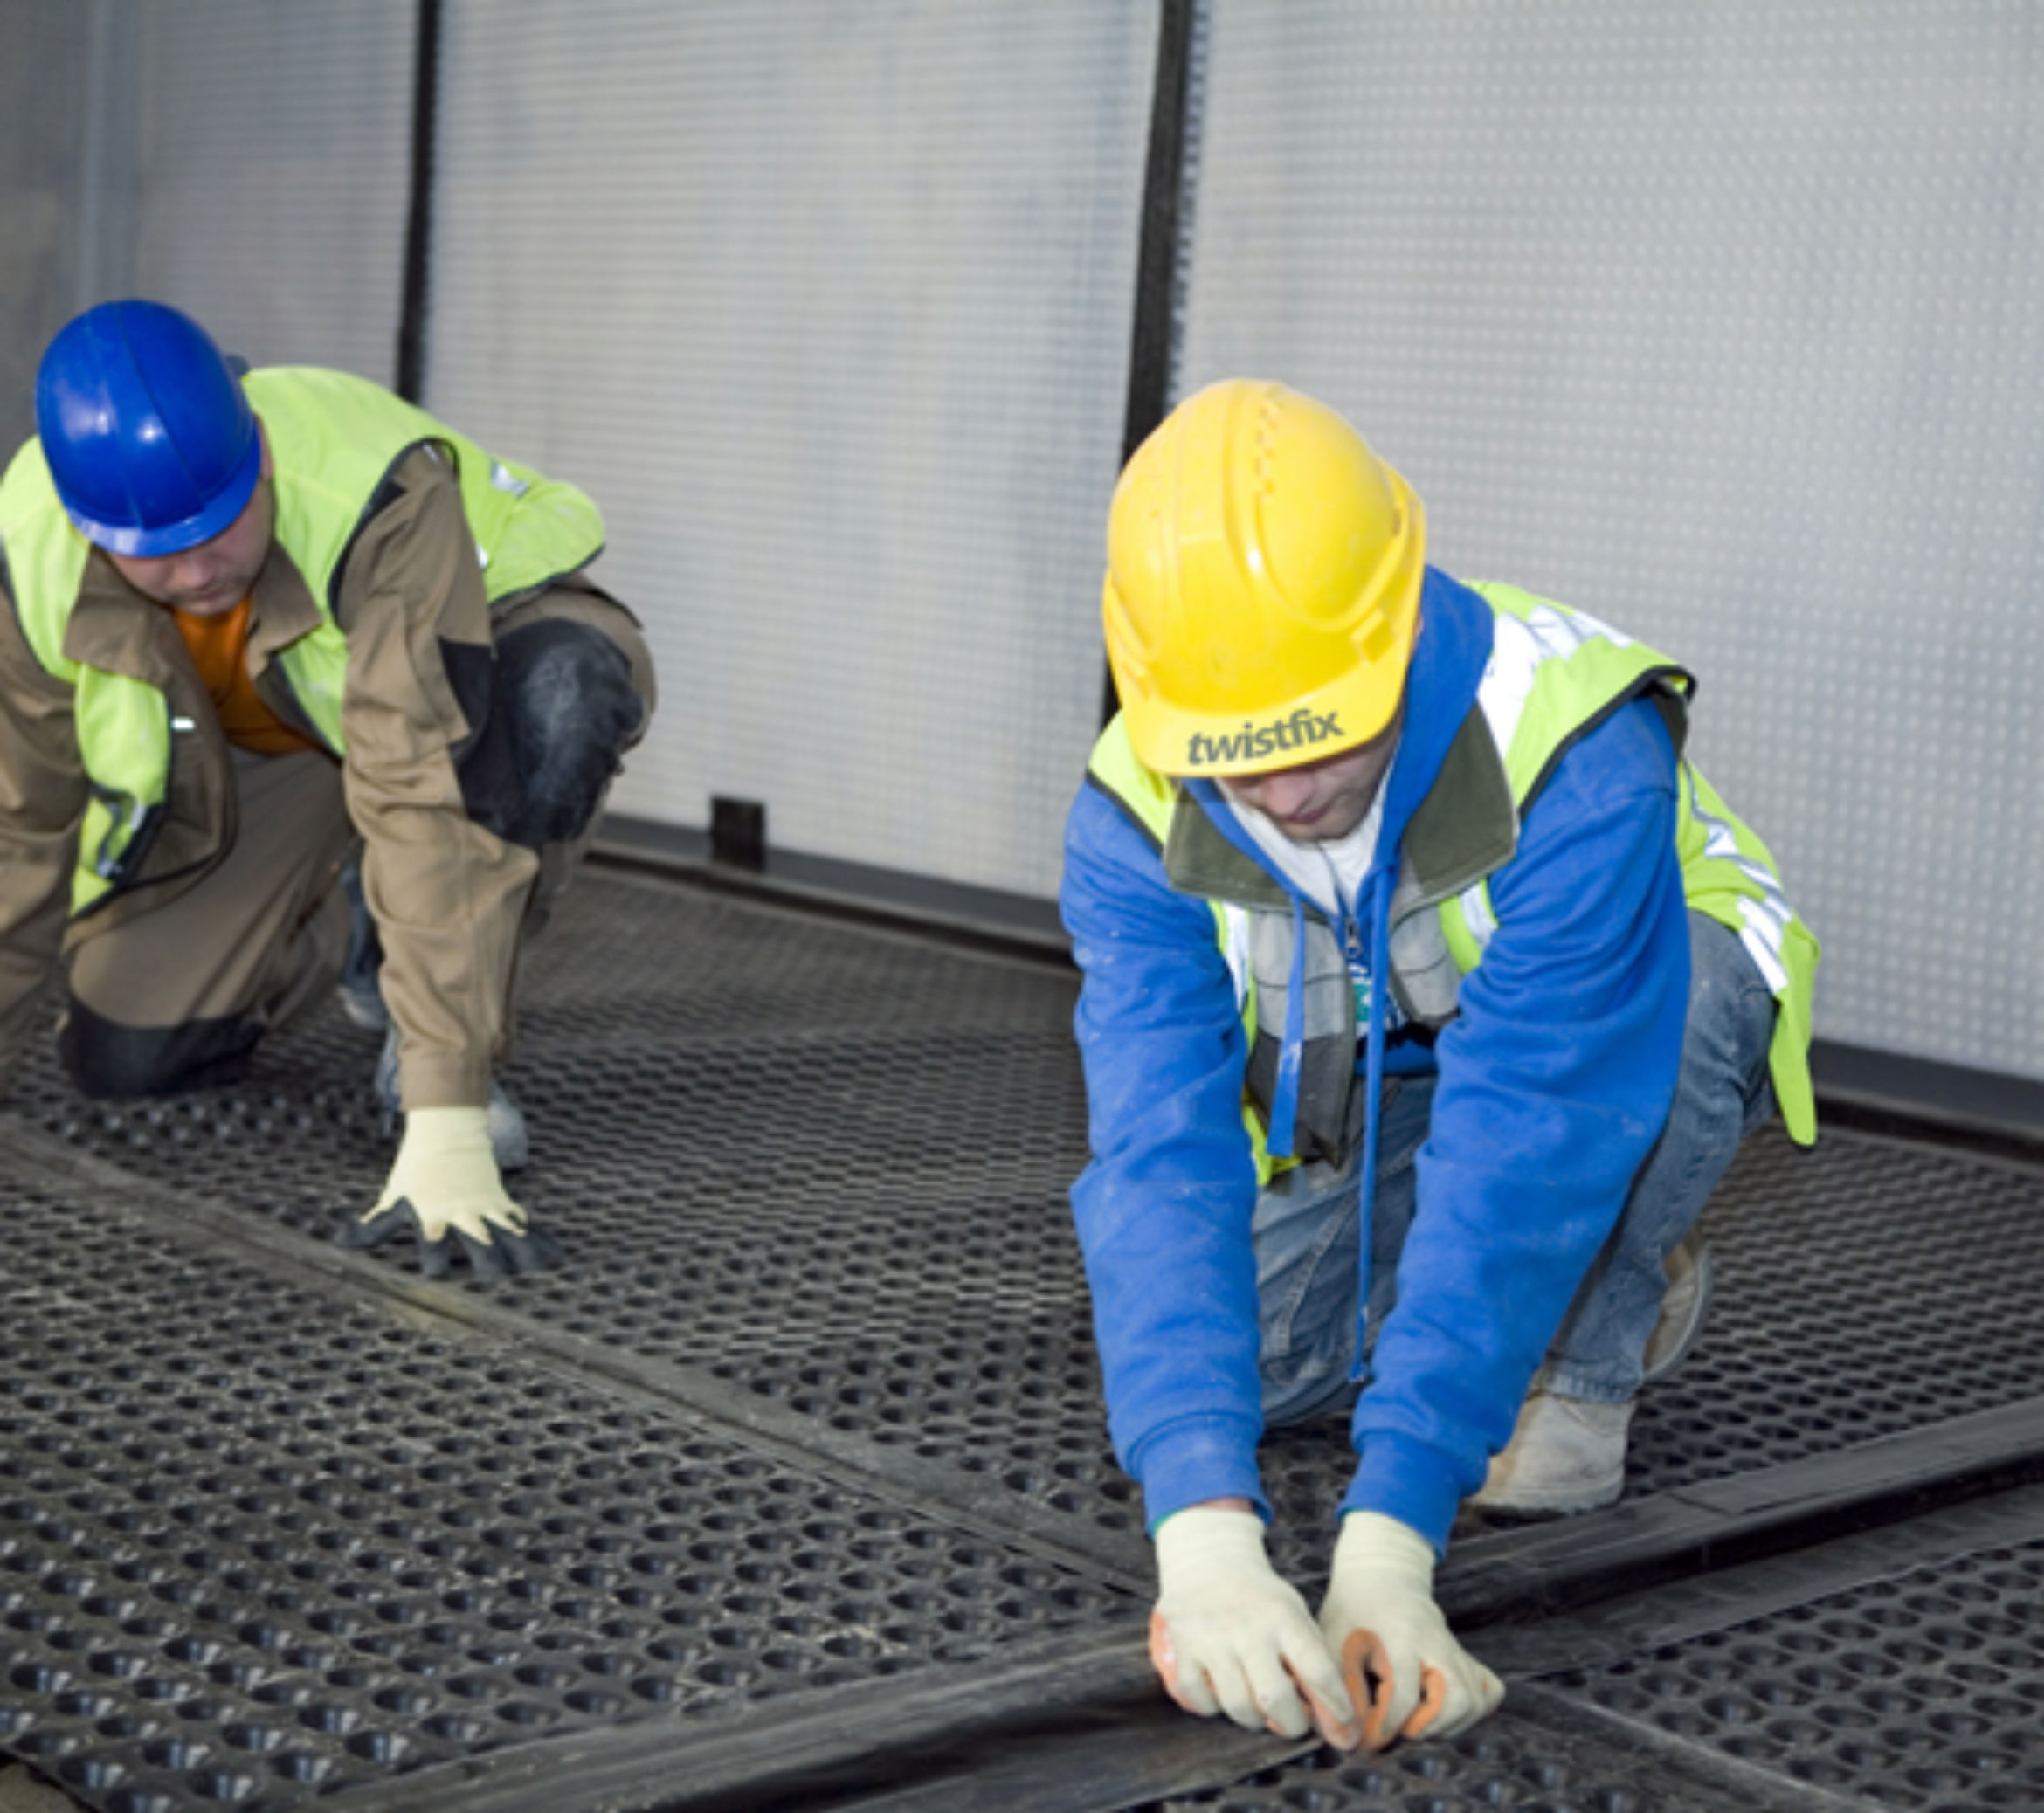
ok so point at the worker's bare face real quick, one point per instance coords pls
(1318, 802)
(211, 579)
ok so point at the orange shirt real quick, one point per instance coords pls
(219, 651)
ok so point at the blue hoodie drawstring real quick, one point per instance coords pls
(1380, 894)
(1283, 1137)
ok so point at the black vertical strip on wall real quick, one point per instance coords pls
(419, 226)
(1163, 182)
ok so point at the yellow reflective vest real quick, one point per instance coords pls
(1554, 675)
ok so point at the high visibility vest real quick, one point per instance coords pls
(335, 442)
(1554, 675)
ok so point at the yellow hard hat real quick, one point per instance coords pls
(1262, 584)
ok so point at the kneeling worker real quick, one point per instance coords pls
(257, 623)
(1427, 994)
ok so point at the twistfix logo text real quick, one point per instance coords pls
(1256, 742)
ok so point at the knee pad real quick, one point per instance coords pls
(109, 1062)
(567, 689)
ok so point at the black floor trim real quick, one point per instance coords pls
(1551, 1567)
(1606, 1630)
(1077, 1727)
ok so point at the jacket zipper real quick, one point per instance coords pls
(292, 712)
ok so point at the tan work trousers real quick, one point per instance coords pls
(179, 997)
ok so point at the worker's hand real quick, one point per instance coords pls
(1408, 1675)
(1229, 1636)
(446, 1182)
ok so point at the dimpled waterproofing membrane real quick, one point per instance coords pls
(1507, 1762)
(255, 1541)
(1925, 1692)
(1900, 1662)
(829, 1165)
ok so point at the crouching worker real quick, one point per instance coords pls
(256, 624)
(1427, 993)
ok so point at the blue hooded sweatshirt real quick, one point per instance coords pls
(1555, 1079)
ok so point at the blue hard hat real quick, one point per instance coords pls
(151, 441)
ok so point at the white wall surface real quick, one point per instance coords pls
(47, 51)
(828, 305)
(270, 155)
(1725, 323)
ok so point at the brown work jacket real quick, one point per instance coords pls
(449, 894)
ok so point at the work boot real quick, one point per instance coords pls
(508, 1139)
(1682, 1311)
(361, 994)
(1566, 1454)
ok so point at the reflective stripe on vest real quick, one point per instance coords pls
(1728, 873)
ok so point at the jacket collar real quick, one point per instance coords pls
(116, 630)
(285, 610)
(1207, 852)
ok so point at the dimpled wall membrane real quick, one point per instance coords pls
(809, 1417)
(847, 292)
(1716, 322)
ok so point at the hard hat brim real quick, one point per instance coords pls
(131, 541)
(1346, 713)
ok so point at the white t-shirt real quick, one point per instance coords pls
(1330, 874)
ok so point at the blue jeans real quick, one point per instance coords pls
(1306, 1226)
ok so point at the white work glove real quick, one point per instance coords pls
(445, 1182)
(1229, 1636)
(1408, 1675)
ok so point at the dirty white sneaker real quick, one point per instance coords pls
(1683, 1310)
(1566, 1454)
